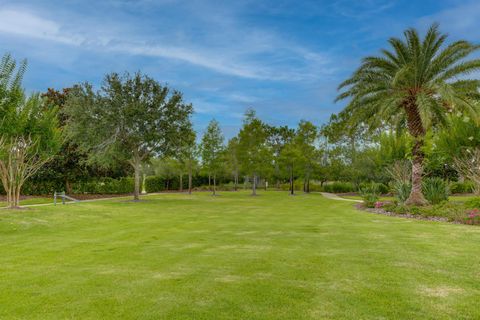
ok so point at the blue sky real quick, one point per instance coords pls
(283, 58)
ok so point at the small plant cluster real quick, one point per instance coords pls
(473, 217)
(379, 204)
(370, 194)
(434, 189)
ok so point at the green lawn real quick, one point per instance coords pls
(233, 257)
(30, 201)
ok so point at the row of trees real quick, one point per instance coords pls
(413, 102)
(262, 151)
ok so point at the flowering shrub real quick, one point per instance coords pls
(379, 204)
(473, 216)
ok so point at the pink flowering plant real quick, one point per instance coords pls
(473, 216)
(379, 204)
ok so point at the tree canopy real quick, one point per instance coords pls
(131, 118)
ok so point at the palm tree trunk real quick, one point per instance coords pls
(416, 129)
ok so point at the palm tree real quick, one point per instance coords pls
(413, 85)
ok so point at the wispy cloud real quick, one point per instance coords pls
(25, 24)
(461, 20)
(236, 59)
(361, 9)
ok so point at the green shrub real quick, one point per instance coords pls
(370, 194)
(473, 203)
(105, 186)
(402, 190)
(154, 184)
(339, 187)
(450, 210)
(435, 190)
(461, 187)
(40, 187)
(382, 189)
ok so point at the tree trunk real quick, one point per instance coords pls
(306, 183)
(68, 186)
(214, 184)
(416, 129)
(181, 182)
(235, 179)
(136, 191)
(10, 195)
(266, 184)
(209, 184)
(292, 191)
(17, 195)
(190, 179)
(416, 195)
(254, 185)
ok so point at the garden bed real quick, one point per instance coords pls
(447, 211)
(361, 206)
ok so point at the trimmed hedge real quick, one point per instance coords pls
(339, 187)
(105, 186)
(35, 187)
(159, 184)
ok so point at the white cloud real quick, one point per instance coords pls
(239, 57)
(22, 23)
(462, 20)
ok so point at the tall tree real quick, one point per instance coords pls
(255, 156)
(414, 85)
(187, 154)
(212, 150)
(278, 138)
(232, 159)
(131, 118)
(68, 165)
(306, 136)
(291, 158)
(29, 131)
